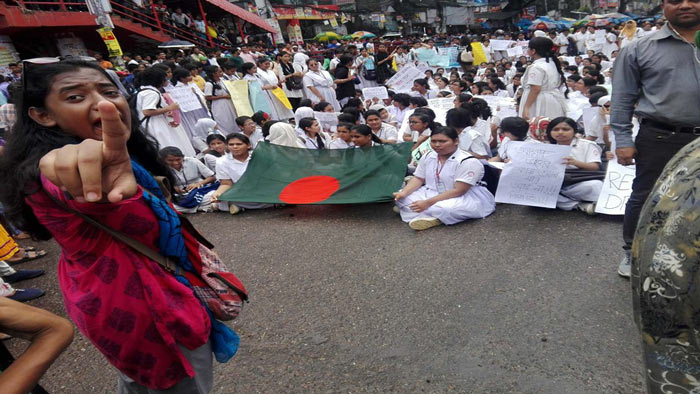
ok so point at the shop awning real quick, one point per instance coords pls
(243, 14)
(497, 16)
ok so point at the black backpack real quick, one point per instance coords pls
(132, 104)
(491, 177)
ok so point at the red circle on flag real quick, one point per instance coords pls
(309, 190)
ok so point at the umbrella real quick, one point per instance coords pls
(541, 24)
(326, 36)
(176, 44)
(348, 37)
(363, 34)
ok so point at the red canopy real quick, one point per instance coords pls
(243, 14)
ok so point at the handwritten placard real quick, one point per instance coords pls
(378, 92)
(534, 175)
(599, 37)
(185, 98)
(501, 45)
(327, 119)
(402, 81)
(617, 188)
(443, 103)
(515, 51)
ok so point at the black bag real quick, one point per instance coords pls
(132, 104)
(575, 176)
(370, 75)
(294, 83)
(491, 177)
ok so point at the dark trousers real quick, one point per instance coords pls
(655, 147)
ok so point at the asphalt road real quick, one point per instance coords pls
(349, 299)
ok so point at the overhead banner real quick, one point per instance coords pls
(110, 41)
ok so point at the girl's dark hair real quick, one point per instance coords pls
(170, 151)
(464, 97)
(261, 60)
(211, 138)
(151, 76)
(305, 103)
(589, 82)
(347, 117)
(445, 80)
(403, 99)
(481, 108)
(418, 101)
(545, 47)
(304, 123)
(574, 77)
(497, 83)
(345, 124)
(238, 136)
(366, 131)
(459, 118)
(372, 112)
(515, 125)
(555, 122)
(352, 103)
(247, 67)
(425, 118)
(423, 82)
(321, 106)
(266, 127)
(352, 111)
(240, 121)
(178, 74)
(344, 60)
(29, 142)
(462, 84)
(448, 132)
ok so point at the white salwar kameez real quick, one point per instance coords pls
(323, 82)
(550, 103)
(279, 111)
(476, 203)
(222, 110)
(158, 126)
(587, 191)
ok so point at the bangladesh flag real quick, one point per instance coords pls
(284, 175)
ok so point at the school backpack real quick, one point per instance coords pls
(491, 177)
(132, 104)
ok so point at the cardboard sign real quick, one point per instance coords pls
(402, 81)
(239, 96)
(327, 119)
(185, 98)
(617, 188)
(443, 103)
(378, 92)
(516, 51)
(534, 175)
(501, 45)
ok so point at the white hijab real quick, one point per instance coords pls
(283, 134)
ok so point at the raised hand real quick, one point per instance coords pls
(95, 170)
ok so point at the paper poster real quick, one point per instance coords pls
(425, 54)
(327, 120)
(110, 41)
(239, 96)
(402, 81)
(281, 96)
(378, 92)
(501, 45)
(420, 152)
(443, 103)
(478, 53)
(185, 98)
(534, 175)
(617, 188)
(334, 22)
(71, 46)
(515, 51)
(588, 115)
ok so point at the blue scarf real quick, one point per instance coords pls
(224, 341)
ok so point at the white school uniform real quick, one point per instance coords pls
(337, 143)
(477, 202)
(586, 191)
(228, 168)
(470, 140)
(388, 132)
(192, 171)
(312, 143)
(158, 126)
(222, 110)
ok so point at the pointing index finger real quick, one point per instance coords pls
(114, 132)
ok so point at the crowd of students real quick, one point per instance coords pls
(72, 140)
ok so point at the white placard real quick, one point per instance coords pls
(617, 188)
(402, 81)
(600, 37)
(443, 103)
(588, 115)
(501, 45)
(378, 92)
(515, 51)
(185, 98)
(506, 112)
(327, 119)
(534, 175)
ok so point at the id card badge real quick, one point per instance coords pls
(441, 187)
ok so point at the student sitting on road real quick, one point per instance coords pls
(386, 132)
(514, 129)
(363, 137)
(342, 138)
(194, 183)
(444, 188)
(585, 155)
